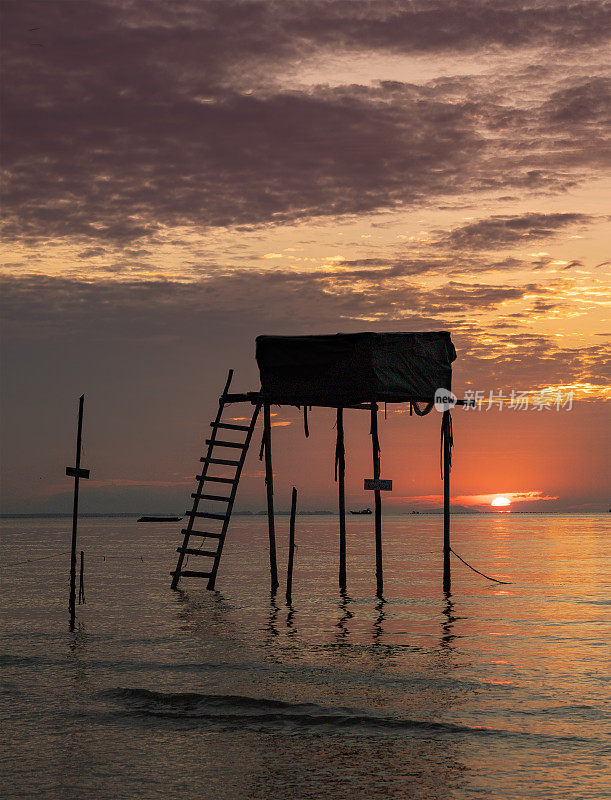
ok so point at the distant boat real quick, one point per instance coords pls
(159, 519)
(364, 511)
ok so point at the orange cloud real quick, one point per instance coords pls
(476, 500)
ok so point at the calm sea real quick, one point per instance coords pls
(498, 691)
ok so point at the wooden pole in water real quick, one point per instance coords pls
(77, 473)
(375, 442)
(289, 569)
(446, 438)
(340, 456)
(269, 484)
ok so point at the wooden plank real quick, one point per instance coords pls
(214, 479)
(193, 551)
(201, 533)
(219, 443)
(223, 461)
(73, 472)
(197, 496)
(229, 426)
(205, 515)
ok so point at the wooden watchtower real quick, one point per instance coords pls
(342, 371)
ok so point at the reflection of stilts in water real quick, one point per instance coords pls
(291, 630)
(343, 631)
(273, 617)
(378, 627)
(78, 647)
(447, 625)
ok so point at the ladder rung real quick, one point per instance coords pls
(205, 514)
(197, 496)
(219, 443)
(224, 461)
(202, 533)
(229, 426)
(189, 573)
(193, 551)
(212, 478)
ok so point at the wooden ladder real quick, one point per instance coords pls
(226, 503)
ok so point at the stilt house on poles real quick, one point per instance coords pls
(342, 371)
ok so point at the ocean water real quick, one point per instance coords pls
(497, 691)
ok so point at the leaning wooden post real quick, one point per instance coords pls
(77, 473)
(446, 433)
(340, 467)
(269, 483)
(375, 442)
(289, 569)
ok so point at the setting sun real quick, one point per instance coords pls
(500, 500)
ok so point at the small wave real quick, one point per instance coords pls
(262, 713)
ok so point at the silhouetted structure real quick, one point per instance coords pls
(344, 371)
(76, 472)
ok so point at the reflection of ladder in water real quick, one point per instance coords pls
(217, 483)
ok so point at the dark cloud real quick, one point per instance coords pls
(134, 118)
(173, 320)
(35, 305)
(509, 230)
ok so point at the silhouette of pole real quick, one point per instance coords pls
(289, 569)
(375, 442)
(269, 484)
(447, 443)
(340, 463)
(77, 473)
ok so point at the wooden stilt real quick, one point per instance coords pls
(269, 483)
(340, 464)
(289, 569)
(446, 439)
(375, 442)
(77, 473)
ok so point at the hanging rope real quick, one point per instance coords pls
(43, 558)
(373, 432)
(306, 430)
(421, 412)
(488, 578)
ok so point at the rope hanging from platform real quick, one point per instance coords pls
(421, 412)
(374, 433)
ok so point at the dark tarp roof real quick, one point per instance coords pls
(345, 369)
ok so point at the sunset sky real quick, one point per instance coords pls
(181, 177)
